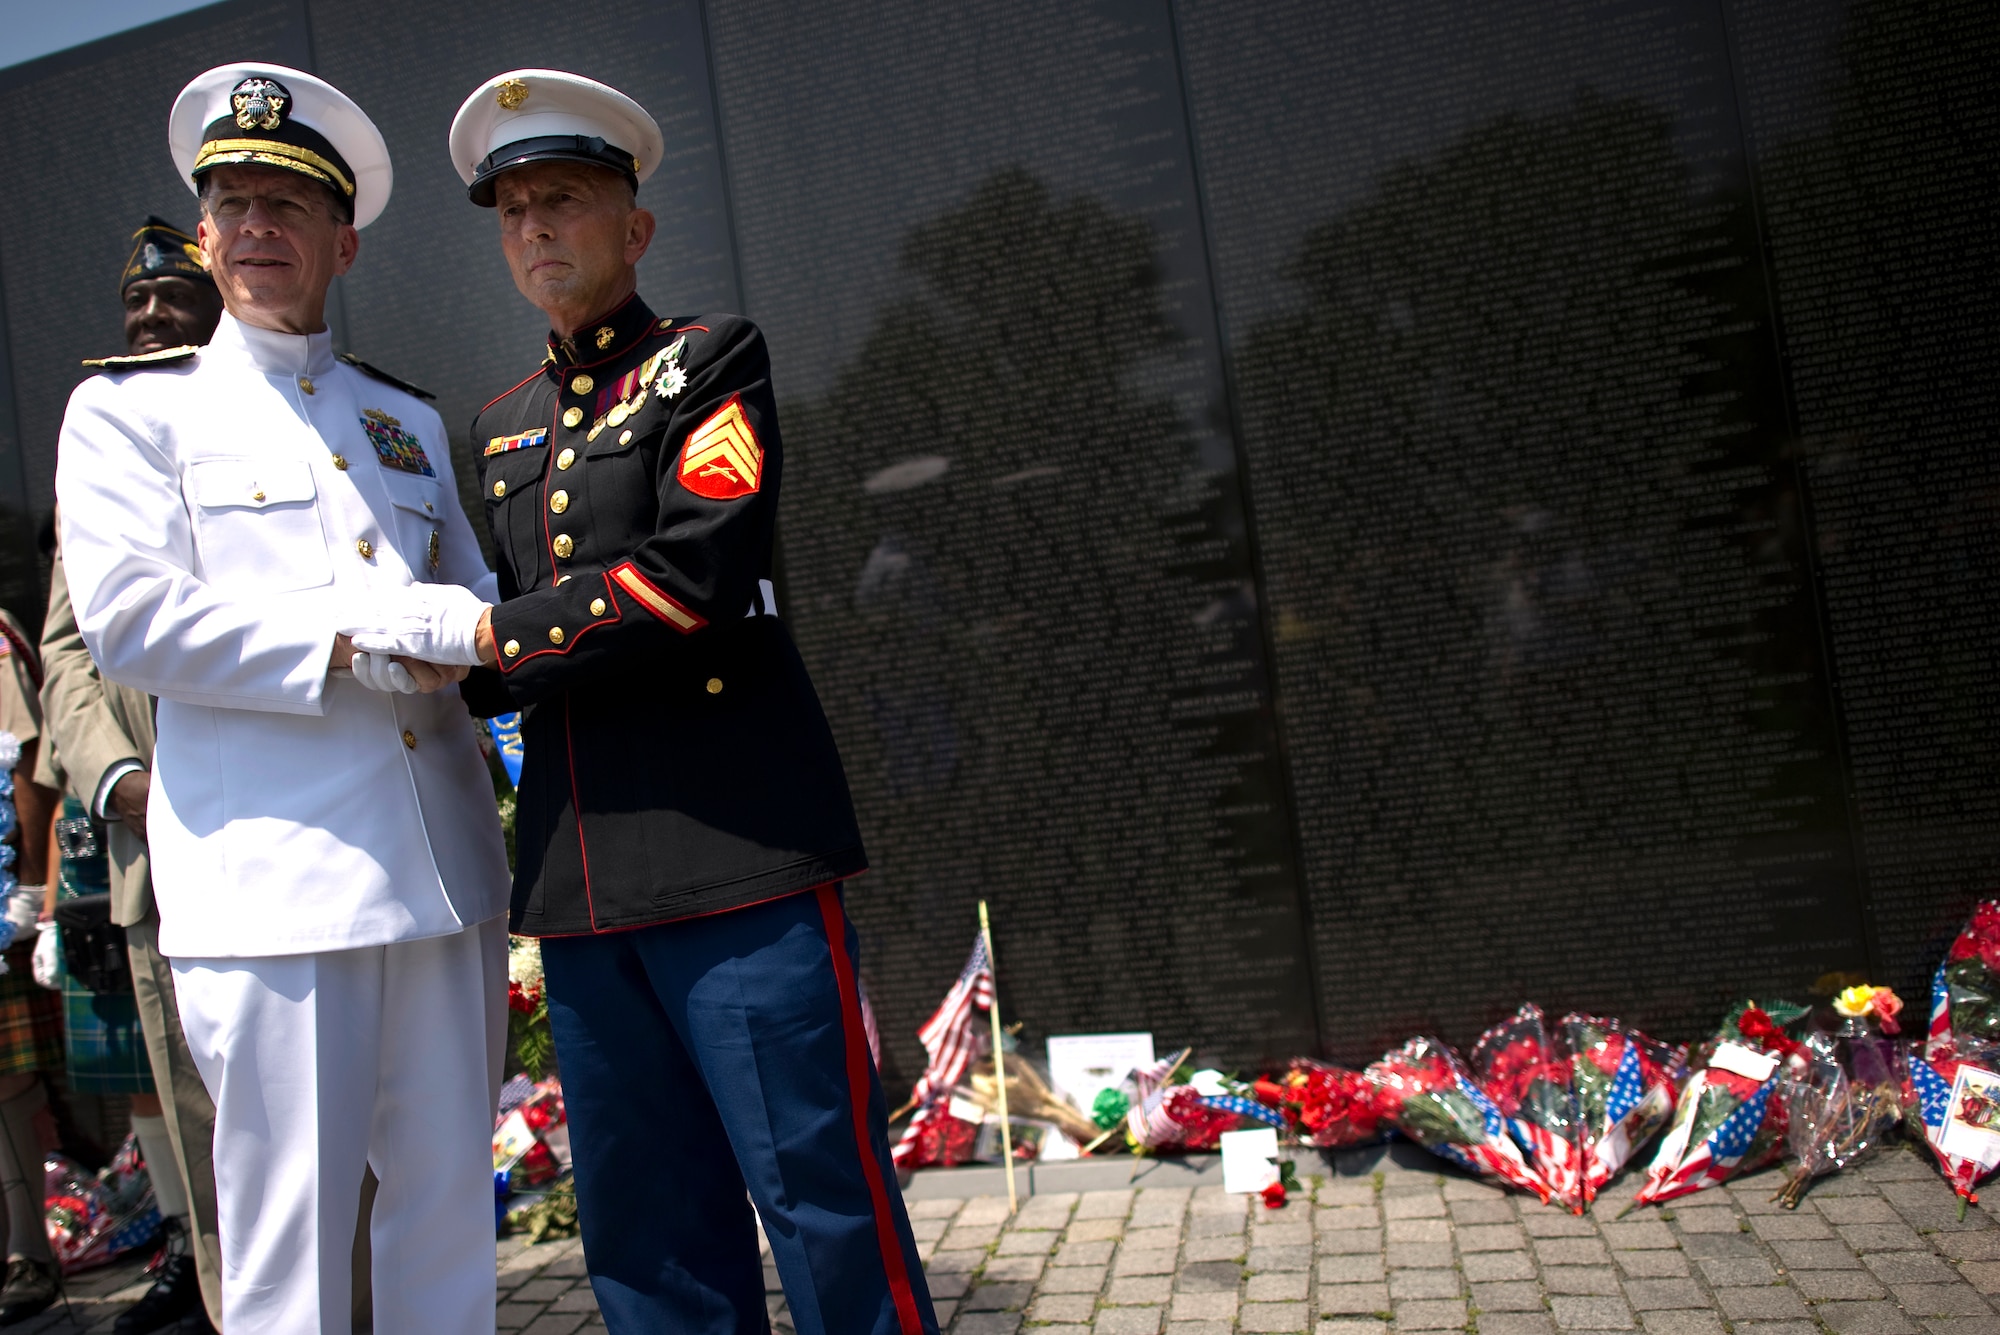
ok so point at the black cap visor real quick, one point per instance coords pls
(547, 148)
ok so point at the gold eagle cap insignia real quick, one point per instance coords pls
(511, 94)
(259, 104)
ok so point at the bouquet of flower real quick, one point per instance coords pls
(1327, 1107)
(94, 1217)
(1626, 1086)
(528, 1037)
(1429, 1095)
(1964, 1034)
(1528, 1079)
(1171, 1116)
(1730, 1117)
(1838, 1111)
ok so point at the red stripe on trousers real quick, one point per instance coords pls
(857, 1084)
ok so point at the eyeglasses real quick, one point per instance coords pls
(280, 205)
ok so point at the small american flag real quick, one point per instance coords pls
(1938, 1040)
(1627, 1089)
(1679, 1168)
(951, 1040)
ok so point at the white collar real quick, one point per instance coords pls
(272, 352)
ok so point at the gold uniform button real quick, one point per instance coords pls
(555, 635)
(559, 502)
(366, 548)
(583, 384)
(566, 458)
(564, 580)
(597, 607)
(429, 507)
(564, 545)
(499, 488)
(409, 739)
(306, 384)
(715, 686)
(572, 416)
(256, 495)
(624, 437)
(340, 462)
(512, 648)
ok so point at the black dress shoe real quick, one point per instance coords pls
(175, 1293)
(31, 1288)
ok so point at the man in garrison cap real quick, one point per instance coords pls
(328, 866)
(684, 825)
(104, 733)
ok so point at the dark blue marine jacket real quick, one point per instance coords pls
(677, 759)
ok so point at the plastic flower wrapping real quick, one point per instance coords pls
(1328, 1107)
(1841, 1105)
(1731, 1117)
(1428, 1093)
(1961, 1048)
(1579, 1099)
(94, 1217)
(1170, 1116)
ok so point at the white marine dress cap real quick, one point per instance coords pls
(526, 116)
(275, 116)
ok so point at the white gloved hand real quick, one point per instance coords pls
(379, 672)
(25, 905)
(45, 959)
(436, 623)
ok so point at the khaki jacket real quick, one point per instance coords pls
(96, 724)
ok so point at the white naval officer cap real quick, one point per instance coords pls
(526, 116)
(275, 116)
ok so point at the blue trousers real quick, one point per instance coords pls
(712, 1062)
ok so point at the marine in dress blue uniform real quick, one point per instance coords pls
(684, 824)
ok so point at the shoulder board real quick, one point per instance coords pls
(385, 377)
(164, 357)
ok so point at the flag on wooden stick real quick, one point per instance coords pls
(951, 1039)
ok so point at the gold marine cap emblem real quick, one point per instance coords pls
(604, 337)
(259, 103)
(511, 94)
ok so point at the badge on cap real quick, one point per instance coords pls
(511, 94)
(259, 104)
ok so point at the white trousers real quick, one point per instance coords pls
(383, 1055)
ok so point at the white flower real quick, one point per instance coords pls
(524, 961)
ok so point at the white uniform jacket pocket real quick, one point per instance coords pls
(257, 524)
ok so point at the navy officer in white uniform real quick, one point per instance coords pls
(328, 863)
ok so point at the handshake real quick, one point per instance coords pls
(418, 638)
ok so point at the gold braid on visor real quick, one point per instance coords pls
(272, 153)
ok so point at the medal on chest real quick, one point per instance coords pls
(395, 447)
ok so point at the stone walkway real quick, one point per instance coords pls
(1396, 1245)
(1404, 1248)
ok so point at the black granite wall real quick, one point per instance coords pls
(1336, 519)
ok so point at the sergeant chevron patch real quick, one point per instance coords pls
(723, 459)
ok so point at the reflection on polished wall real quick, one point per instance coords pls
(1336, 519)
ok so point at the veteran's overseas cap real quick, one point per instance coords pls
(526, 116)
(274, 116)
(162, 250)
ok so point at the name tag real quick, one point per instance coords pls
(527, 440)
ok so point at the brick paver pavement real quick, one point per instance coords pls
(1398, 1247)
